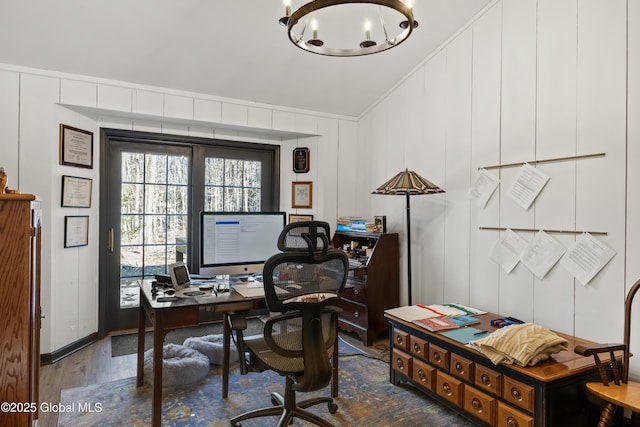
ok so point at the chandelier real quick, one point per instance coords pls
(349, 27)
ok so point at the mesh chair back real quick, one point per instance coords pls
(308, 271)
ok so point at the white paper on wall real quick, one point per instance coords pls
(586, 257)
(527, 186)
(483, 187)
(542, 253)
(508, 250)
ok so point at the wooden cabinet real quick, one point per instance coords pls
(373, 284)
(20, 314)
(552, 393)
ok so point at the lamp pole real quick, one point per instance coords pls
(409, 249)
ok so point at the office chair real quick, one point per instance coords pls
(615, 388)
(301, 287)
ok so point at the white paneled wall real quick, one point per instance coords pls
(30, 115)
(526, 80)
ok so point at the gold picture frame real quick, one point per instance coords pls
(302, 194)
(298, 218)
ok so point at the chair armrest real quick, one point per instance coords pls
(591, 349)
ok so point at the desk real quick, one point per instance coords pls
(551, 393)
(166, 316)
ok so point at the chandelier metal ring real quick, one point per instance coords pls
(366, 49)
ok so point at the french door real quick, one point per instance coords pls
(153, 189)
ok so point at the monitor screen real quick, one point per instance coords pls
(238, 242)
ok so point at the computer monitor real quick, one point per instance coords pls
(238, 243)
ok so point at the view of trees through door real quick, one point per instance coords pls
(152, 195)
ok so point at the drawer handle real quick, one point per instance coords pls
(436, 356)
(356, 291)
(516, 394)
(416, 347)
(399, 339)
(400, 364)
(477, 405)
(356, 314)
(422, 375)
(446, 388)
(459, 367)
(485, 380)
(511, 422)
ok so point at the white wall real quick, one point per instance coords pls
(525, 80)
(33, 103)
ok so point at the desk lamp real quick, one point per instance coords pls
(408, 183)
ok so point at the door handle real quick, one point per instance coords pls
(111, 240)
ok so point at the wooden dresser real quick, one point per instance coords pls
(373, 285)
(20, 314)
(551, 393)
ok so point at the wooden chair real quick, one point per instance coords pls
(615, 388)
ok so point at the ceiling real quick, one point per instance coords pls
(226, 48)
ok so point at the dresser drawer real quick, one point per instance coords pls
(488, 380)
(439, 356)
(510, 417)
(424, 374)
(419, 347)
(461, 367)
(479, 404)
(402, 363)
(449, 387)
(354, 313)
(355, 290)
(401, 339)
(519, 394)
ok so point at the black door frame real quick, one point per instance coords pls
(200, 146)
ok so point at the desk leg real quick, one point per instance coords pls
(158, 341)
(141, 324)
(226, 348)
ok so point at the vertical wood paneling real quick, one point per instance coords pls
(556, 137)
(458, 166)
(115, 98)
(9, 112)
(259, 118)
(485, 151)
(348, 135)
(207, 110)
(38, 151)
(428, 226)
(633, 154)
(180, 107)
(518, 135)
(76, 92)
(601, 126)
(146, 102)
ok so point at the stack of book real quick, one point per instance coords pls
(435, 324)
(353, 223)
(438, 317)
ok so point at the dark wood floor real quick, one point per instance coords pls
(94, 365)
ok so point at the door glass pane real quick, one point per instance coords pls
(233, 185)
(153, 221)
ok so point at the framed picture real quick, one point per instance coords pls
(297, 218)
(380, 224)
(301, 162)
(301, 194)
(76, 147)
(76, 231)
(76, 192)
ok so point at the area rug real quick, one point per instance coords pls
(366, 398)
(128, 344)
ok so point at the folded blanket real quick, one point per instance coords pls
(524, 345)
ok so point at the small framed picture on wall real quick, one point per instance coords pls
(76, 231)
(301, 194)
(76, 147)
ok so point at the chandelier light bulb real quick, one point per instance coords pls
(315, 41)
(287, 13)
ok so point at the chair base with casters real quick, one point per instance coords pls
(287, 408)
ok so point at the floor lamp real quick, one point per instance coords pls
(408, 183)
